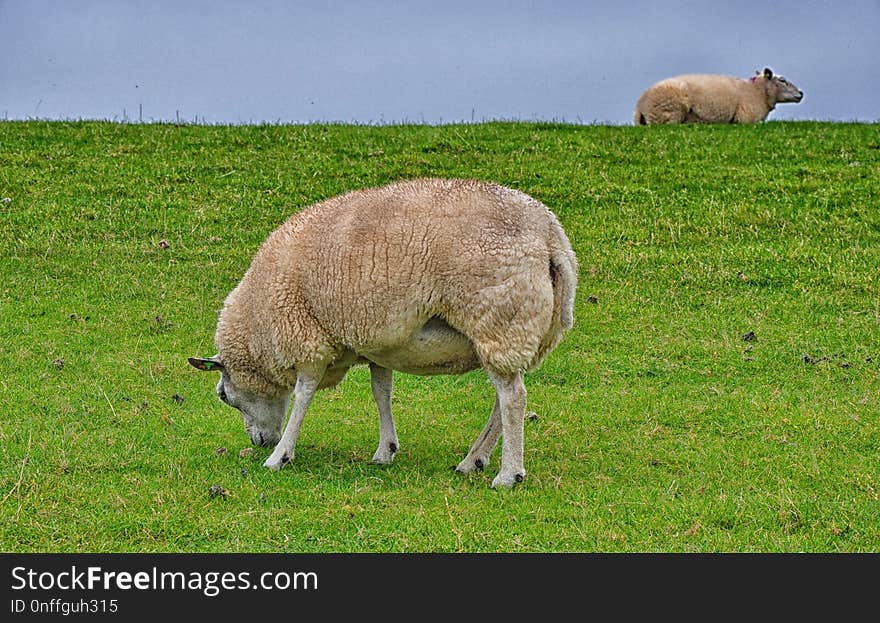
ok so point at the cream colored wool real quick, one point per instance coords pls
(708, 98)
(428, 276)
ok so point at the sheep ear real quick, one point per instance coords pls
(209, 364)
(768, 73)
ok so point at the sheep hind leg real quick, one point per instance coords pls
(478, 456)
(511, 392)
(381, 382)
(670, 112)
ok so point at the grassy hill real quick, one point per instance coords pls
(720, 390)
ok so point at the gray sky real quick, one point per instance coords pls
(420, 62)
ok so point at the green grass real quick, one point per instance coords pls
(660, 428)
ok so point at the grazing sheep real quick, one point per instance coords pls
(428, 276)
(706, 98)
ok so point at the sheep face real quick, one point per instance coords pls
(781, 90)
(263, 415)
(786, 91)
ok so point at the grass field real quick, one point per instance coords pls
(720, 391)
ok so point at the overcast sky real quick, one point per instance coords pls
(420, 62)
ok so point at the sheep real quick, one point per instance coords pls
(426, 276)
(708, 98)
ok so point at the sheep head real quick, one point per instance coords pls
(779, 90)
(262, 411)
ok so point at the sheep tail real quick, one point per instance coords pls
(563, 275)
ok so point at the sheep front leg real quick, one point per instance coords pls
(478, 456)
(381, 382)
(511, 393)
(307, 382)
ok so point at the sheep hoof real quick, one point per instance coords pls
(382, 459)
(275, 464)
(385, 454)
(507, 480)
(469, 465)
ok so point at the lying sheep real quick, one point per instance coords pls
(429, 276)
(706, 98)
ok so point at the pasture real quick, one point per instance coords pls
(720, 390)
